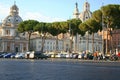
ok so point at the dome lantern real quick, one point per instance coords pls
(14, 10)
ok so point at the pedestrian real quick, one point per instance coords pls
(95, 56)
(83, 54)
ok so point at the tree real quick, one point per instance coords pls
(97, 15)
(109, 15)
(27, 26)
(91, 26)
(64, 27)
(73, 27)
(94, 27)
(84, 28)
(42, 29)
(54, 30)
(57, 28)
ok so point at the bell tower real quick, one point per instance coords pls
(86, 6)
(76, 11)
(86, 14)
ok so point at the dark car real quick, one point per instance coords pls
(7, 55)
(2, 54)
(39, 55)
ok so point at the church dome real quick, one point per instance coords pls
(13, 18)
(85, 15)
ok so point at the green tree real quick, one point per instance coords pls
(64, 27)
(109, 15)
(27, 26)
(42, 29)
(84, 28)
(94, 27)
(91, 26)
(73, 24)
(97, 15)
(54, 30)
(73, 27)
(57, 28)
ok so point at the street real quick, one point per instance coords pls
(58, 69)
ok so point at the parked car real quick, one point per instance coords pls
(20, 55)
(27, 54)
(35, 55)
(8, 55)
(39, 55)
(75, 55)
(13, 55)
(2, 54)
(60, 55)
(49, 55)
(79, 56)
(69, 55)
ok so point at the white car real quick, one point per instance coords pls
(20, 55)
(79, 56)
(69, 55)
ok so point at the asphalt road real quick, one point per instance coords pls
(58, 69)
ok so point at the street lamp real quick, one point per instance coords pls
(87, 41)
(103, 33)
(71, 38)
(42, 36)
(109, 32)
(29, 35)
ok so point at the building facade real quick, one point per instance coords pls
(10, 39)
(85, 42)
(50, 44)
(115, 41)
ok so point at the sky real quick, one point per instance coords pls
(49, 10)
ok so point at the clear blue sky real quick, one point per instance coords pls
(49, 10)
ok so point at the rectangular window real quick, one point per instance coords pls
(8, 48)
(7, 32)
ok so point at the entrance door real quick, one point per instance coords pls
(16, 49)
